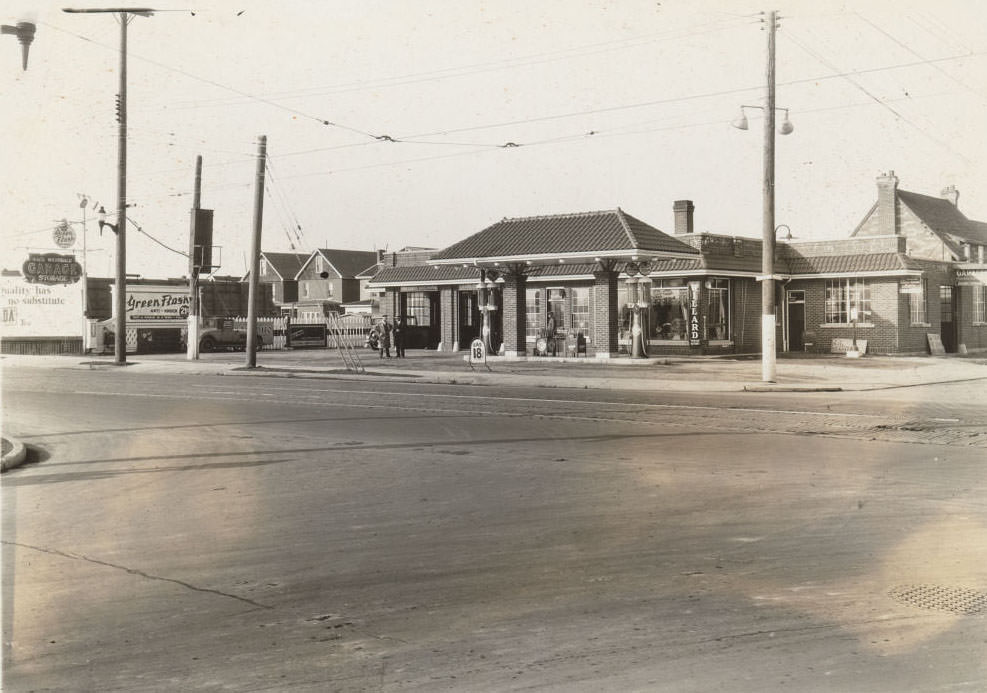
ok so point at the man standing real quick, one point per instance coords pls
(399, 337)
(385, 338)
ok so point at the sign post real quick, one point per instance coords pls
(478, 353)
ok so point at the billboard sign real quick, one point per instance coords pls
(154, 304)
(35, 310)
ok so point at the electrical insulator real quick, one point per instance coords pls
(119, 110)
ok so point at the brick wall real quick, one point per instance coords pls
(746, 300)
(972, 336)
(514, 313)
(448, 316)
(603, 304)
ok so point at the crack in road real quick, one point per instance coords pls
(134, 571)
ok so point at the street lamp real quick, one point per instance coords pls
(767, 277)
(24, 31)
(120, 306)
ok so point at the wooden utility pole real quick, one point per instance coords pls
(120, 334)
(192, 333)
(768, 330)
(255, 254)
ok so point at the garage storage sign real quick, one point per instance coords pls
(51, 269)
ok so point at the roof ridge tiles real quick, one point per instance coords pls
(564, 215)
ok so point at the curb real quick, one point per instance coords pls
(15, 457)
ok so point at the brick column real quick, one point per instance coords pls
(448, 316)
(514, 314)
(605, 314)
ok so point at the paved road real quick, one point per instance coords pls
(270, 534)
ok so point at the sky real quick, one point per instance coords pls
(386, 121)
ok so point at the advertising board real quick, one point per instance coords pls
(149, 304)
(36, 310)
(301, 336)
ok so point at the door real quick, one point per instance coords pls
(947, 321)
(470, 320)
(796, 321)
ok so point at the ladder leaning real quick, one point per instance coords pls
(350, 356)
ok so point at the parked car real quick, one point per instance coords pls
(219, 333)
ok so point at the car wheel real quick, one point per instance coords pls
(207, 344)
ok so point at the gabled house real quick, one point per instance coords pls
(279, 270)
(328, 279)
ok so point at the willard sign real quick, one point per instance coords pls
(51, 269)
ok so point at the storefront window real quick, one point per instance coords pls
(417, 308)
(718, 309)
(580, 309)
(846, 298)
(668, 313)
(532, 314)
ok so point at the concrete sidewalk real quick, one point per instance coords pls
(695, 374)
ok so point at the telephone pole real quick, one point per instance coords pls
(255, 254)
(120, 300)
(192, 330)
(768, 329)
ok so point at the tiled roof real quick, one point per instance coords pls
(678, 265)
(589, 232)
(370, 271)
(349, 263)
(849, 264)
(943, 217)
(425, 274)
(286, 264)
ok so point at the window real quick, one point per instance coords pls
(318, 264)
(917, 305)
(580, 309)
(263, 266)
(668, 314)
(418, 308)
(532, 312)
(946, 304)
(846, 300)
(980, 303)
(717, 309)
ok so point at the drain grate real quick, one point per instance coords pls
(953, 600)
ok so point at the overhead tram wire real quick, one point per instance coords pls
(214, 83)
(507, 63)
(897, 114)
(293, 218)
(416, 138)
(292, 227)
(911, 50)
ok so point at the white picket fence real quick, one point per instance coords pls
(351, 331)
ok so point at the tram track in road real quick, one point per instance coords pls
(699, 412)
(682, 416)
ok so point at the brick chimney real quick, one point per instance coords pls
(952, 194)
(887, 203)
(683, 216)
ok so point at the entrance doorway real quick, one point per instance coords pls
(796, 321)
(470, 320)
(947, 321)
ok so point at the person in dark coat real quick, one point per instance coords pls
(385, 338)
(399, 337)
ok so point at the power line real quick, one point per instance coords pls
(878, 100)
(508, 63)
